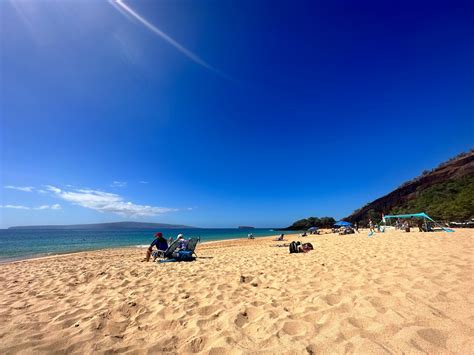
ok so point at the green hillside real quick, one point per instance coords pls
(451, 200)
(446, 193)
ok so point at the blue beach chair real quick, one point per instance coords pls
(173, 253)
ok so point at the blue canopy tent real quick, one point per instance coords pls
(417, 215)
(343, 224)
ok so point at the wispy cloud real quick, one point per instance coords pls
(118, 184)
(42, 207)
(16, 207)
(107, 202)
(20, 188)
(56, 206)
(143, 182)
(129, 12)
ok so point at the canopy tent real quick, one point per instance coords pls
(416, 215)
(421, 215)
(342, 224)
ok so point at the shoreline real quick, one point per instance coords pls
(65, 254)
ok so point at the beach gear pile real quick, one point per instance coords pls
(297, 247)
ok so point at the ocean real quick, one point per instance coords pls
(24, 244)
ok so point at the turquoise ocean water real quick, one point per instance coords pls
(24, 244)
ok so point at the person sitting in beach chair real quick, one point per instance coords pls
(159, 242)
(182, 242)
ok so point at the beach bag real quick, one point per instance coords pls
(184, 255)
(308, 246)
(294, 247)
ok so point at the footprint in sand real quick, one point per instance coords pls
(332, 299)
(195, 345)
(433, 336)
(250, 314)
(294, 328)
(207, 310)
(241, 319)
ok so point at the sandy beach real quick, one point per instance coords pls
(391, 293)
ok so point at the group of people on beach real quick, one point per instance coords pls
(161, 244)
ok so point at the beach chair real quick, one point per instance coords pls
(164, 254)
(192, 244)
(173, 253)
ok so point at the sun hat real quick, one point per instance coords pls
(180, 236)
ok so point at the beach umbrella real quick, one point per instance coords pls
(313, 228)
(343, 224)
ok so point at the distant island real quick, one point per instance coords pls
(246, 227)
(108, 226)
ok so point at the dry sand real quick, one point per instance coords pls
(392, 293)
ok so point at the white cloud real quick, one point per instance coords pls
(42, 207)
(119, 184)
(107, 202)
(17, 207)
(49, 207)
(53, 189)
(143, 182)
(20, 188)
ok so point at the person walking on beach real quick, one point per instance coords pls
(159, 242)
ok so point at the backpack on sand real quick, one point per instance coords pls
(294, 247)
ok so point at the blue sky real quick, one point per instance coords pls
(223, 113)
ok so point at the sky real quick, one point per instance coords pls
(224, 113)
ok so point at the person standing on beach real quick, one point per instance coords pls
(159, 242)
(371, 225)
